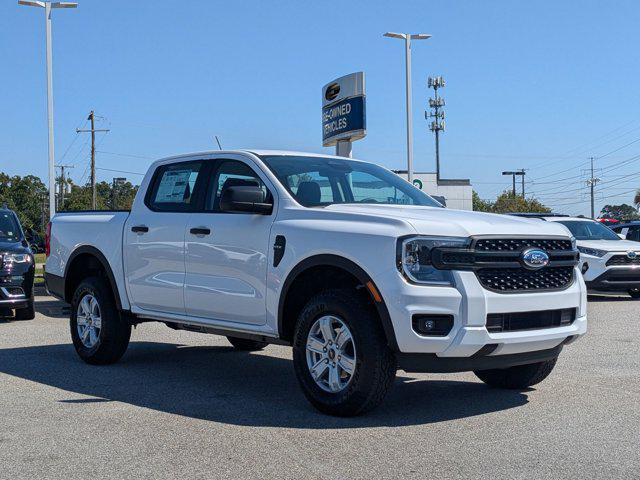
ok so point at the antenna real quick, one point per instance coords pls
(218, 140)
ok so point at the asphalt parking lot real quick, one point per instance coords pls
(185, 405)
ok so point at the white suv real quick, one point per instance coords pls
(608, 263)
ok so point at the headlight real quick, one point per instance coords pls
(414, 259)
(594, 252)
(17, 258)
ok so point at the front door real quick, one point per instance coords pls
(154, 239)
(227, 253)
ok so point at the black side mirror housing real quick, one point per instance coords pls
(246, 199)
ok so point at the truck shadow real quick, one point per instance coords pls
(222, 385)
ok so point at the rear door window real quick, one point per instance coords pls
(175, 187)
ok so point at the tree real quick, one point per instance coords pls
(480, 205)
(622, 212)
(27, 197)
(507, 202)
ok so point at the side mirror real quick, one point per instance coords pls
(245, 198)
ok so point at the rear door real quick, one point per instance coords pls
(227, 253)
(154, 238)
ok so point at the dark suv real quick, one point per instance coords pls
(17, 268)
(630, 231)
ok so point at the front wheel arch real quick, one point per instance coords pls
(286, 320)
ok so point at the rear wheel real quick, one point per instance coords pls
(519, 377)
(246, 344)
(27, 313)
(340, 354)
(634, 293)
(100, 336)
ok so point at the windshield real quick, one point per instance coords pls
(589, 230)
(318, 181)
(9, 229)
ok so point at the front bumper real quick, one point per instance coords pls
(616, 279)
(469, 304)
(16, 288)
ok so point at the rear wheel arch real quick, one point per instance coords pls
(87, 261)
(309, 277)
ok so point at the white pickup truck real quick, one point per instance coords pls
(351, 265)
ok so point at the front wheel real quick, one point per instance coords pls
(340, 354)
(519, 377)
(100, 335)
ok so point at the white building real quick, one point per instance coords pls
(456, 193)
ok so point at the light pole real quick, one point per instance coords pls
(47, 14)
(407, 37)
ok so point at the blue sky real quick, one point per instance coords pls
(539, 85)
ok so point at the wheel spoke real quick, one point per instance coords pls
(347, 364)
(82, 321)
(95, 308)
(318, 369)
(334, 379)
(85, 334)
(85, 305)
(97, 322)
(327, 329)
(314, 345)
(93, 336)
(343, 337)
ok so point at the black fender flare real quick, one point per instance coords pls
(93, 251)
(356, 271)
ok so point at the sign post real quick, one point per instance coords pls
(344, 116)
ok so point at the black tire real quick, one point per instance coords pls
(27, 313)
(246, 345)
(519, 377)
(634, 293)
(375, 366)
(114, 334)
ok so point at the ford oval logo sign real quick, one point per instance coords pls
(632, 255)
(534, 258)
(332, 91)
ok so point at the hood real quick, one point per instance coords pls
(455, 223)
(13, 247)
(611, 245)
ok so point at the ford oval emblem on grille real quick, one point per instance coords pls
(632, 254)
(535, 258)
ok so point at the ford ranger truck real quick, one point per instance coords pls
(356, 269)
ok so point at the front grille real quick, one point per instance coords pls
(500, 267)
(517, 244)
(510, 322)
(623, 260)
(519, 279)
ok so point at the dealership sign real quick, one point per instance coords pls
(344, 114)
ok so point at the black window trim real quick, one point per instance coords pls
(196, 195)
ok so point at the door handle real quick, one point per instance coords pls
(140, 229)
(200, 231)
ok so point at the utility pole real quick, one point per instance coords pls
(592, 184)
(117, 181)
(436, 125)
(93, 131)
(513, 174)
(63, 185)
